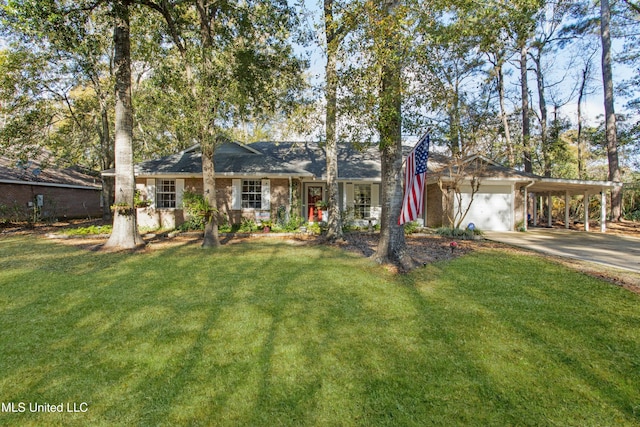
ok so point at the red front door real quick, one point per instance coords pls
(314, 195)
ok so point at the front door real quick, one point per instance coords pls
(314, 195)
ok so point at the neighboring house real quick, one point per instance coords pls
(265, 180)
(29, 191)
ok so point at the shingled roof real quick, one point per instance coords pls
(230, 159)
(34, 173)
(308, 159)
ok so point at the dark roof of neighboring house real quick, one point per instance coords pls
(32, 172)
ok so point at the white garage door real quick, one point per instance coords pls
(491, 209)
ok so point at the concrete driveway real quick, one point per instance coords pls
(607, 249)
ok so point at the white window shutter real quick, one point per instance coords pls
(179, 192)
(151, 191)
(375, 195)
(236, 194)
(349, 194)
(376, 209)
(266, 194)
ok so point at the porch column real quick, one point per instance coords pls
(586, 211)
(549, 222)
(603, 210)
(535, 210)
(525, 209)
(566, 209)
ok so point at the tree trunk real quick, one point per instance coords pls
(392, 246)
(583, 85)
(106, 150)
(503, 111)
(546, 154)
(211, 236)
(609, 112)
(334, 231)
(524, 86)
(125, 230)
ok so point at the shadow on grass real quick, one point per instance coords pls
(273, 334)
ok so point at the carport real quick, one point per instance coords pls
(567, 188)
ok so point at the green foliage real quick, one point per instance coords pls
(315, 228)
(13, 213)
(411, 227)
(248, 226)
(197, 211)
(139, 201)
(293, 224)
(458, 233)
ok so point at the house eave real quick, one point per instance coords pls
(222, 175)
(51, 184)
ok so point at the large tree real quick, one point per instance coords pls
(609, 110)
(340, 18)
(387, 23)
(70, 77)
(235, 61)
(125, 233)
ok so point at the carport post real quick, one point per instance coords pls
(603, 210)
(549, 222)
(535, 210)
(586, 211)
(566, 209)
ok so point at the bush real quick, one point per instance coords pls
(458, 233)
(633, 216)
(248, 226)
(314, 228)
(197, 211)
(411, 227)
(294, 223)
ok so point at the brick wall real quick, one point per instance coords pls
(435, 212)
(279, 196)
(58, 202)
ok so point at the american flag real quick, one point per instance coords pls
(414, 177)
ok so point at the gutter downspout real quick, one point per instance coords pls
(525, 204)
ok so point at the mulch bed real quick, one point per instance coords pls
(424, 248)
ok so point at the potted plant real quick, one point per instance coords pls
(266, 225)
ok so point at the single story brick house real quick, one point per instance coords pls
(263, 180)
(27, 189)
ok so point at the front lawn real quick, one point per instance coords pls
(267, 334)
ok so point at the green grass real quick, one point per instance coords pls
(90, 230)
(266, 334)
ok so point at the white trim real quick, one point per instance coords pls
(242, 175)
(607, 184)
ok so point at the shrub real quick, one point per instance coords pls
(458, 233)
(197, 211)
(411, 227)
(248, 226)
